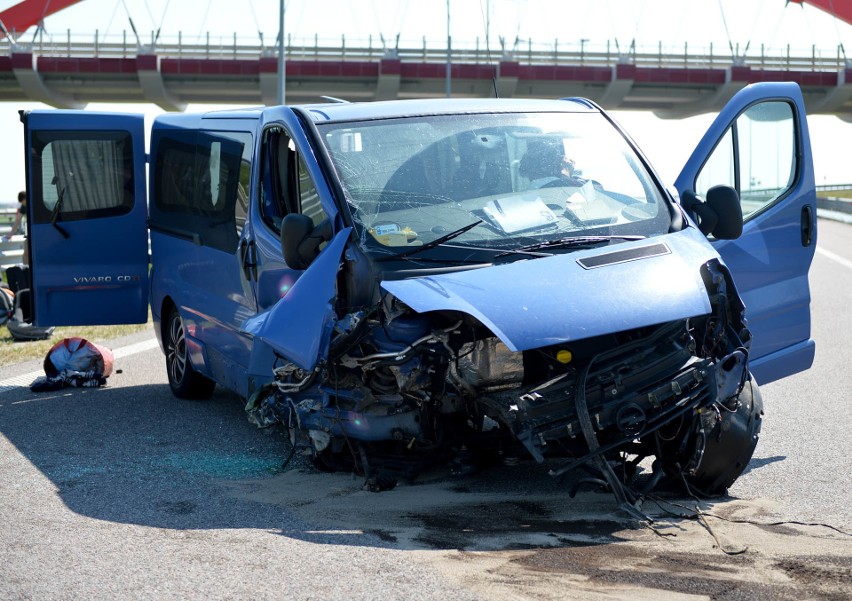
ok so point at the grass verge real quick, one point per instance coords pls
(12, 351)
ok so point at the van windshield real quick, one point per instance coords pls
(522, 178)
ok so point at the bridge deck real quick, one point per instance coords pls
(172, 75)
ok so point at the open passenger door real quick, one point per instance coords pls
(759, 145)
(88, 239)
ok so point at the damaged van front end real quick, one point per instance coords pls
(506, 339)
(403, 389)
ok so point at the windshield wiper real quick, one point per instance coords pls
(567, 242)
(436, 242)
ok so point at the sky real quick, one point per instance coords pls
(729, 25)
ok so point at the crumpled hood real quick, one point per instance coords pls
(539, 302)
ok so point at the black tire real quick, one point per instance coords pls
(185, 382)
(730, 444)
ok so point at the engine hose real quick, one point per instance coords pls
(296, 386)
(400, 355)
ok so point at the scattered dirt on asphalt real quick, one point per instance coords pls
(517, 535)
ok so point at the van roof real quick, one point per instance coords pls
(359, 111)
(330, 112)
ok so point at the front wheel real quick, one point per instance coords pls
(718, 444)
(185, 382)
(729, 445)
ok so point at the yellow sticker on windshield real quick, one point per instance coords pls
(390, 234)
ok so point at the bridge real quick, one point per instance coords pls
(72, 70)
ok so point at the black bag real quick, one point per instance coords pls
(18, 277)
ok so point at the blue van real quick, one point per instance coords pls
(405, 282)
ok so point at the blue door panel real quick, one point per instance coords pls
(770, 260)
(87, 217)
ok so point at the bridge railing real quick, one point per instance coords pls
(11, 246)
(341, 49)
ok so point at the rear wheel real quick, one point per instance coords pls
(185, 382)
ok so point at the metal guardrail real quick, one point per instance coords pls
(834, 187)
(12, 249)
(525, 52)
(827, 202)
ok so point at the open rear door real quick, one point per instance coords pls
(759, 145)
(88, 238)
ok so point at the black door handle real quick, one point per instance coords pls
(248, 259)
(807, 225)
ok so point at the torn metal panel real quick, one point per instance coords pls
(298, 326)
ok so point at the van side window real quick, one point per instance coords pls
(309, 202)
(243, 186)
(80, 175)
(758, 156)
(200, 186)
(285, 183)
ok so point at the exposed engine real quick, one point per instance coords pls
(401, 391)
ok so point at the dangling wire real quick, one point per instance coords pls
(486, 26)
(836, 28)
(256, 22)
(112, 18)
(40, 26)
(777, 27)
(638, 20)
(401, 13)
(203, 21)
(614, 30)
(521, 13)
(396, 22)
(150, 14)
(132, 24)
(727, 33)
(808, 25)
(162, 20)
(754, 27)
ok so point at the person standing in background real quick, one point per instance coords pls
(20, 214)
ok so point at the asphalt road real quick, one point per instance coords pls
(803, 460)
(127, 493)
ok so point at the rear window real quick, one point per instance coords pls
(81, 175)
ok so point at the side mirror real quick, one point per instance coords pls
(725, 201)
(721, 215)
(300, 240)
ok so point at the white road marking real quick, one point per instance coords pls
(837, 258)
(24, 380)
